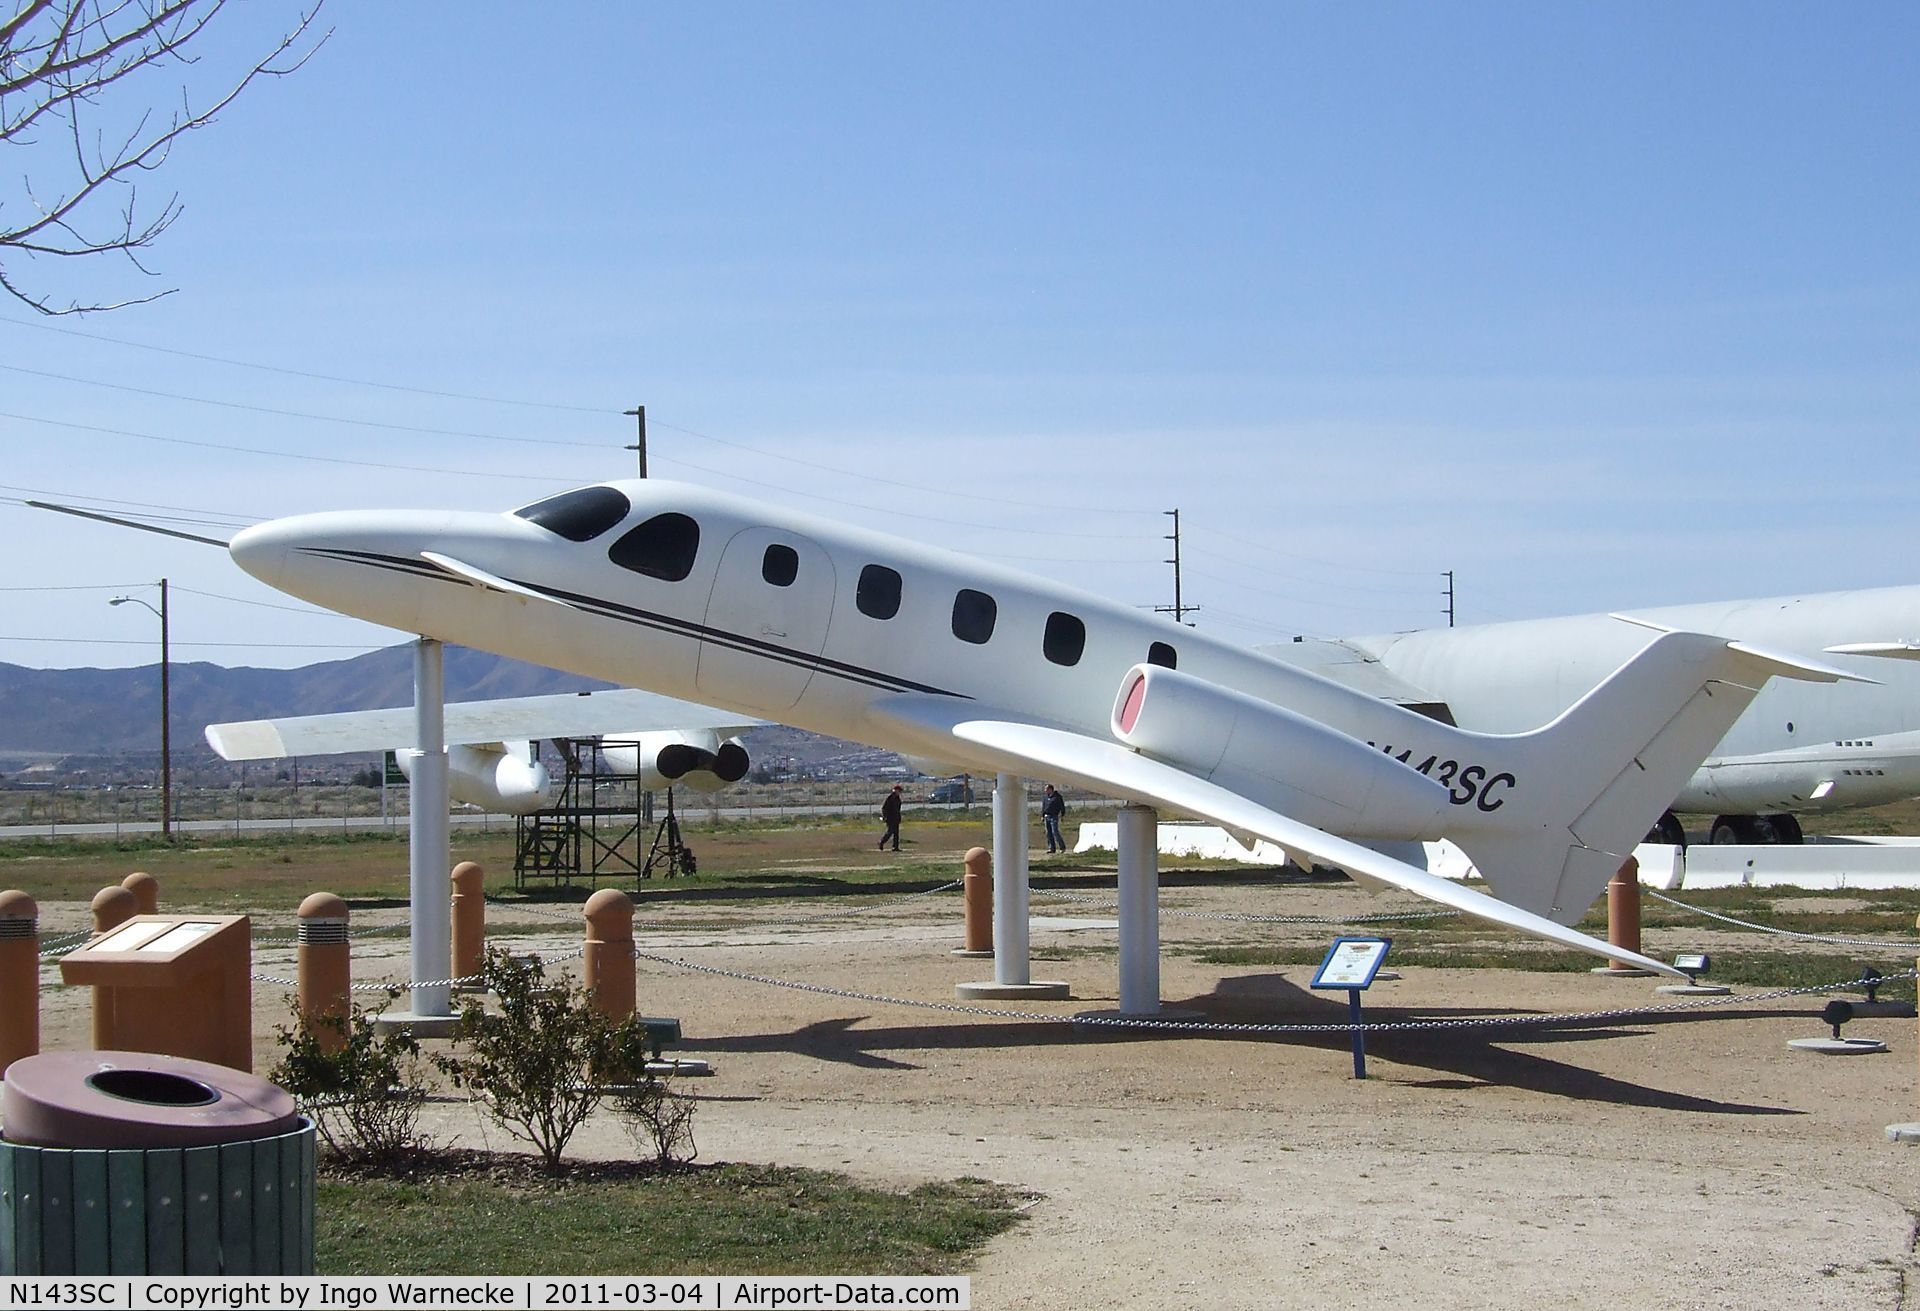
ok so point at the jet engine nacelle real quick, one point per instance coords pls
(495, 776)
(695, 758)
(1271, 755)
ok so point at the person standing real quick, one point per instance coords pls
(890, 812)
(1052, 807)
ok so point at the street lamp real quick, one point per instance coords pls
(166, 713)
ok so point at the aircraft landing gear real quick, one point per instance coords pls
(1756, 830)
(1786, 829)
(1667, 832)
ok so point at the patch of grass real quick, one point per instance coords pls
(465, 1212)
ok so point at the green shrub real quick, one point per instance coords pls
(543, 1061)
(657, 1117)
(365, 1097)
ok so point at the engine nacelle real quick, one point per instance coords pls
(695, 758)
(494, 776)
(1298, 766)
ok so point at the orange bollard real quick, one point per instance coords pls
(1623, 915)
(978, 894)
(608, 960)
(469, 920)
(146, 891)
(19, 977)
(113, 907)
(324, 976)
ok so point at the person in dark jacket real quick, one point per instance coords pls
(1052, 807)
(890, 812)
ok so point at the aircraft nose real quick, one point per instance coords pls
(264, 549)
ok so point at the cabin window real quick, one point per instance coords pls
(1065, 639)
(1163, 655)
(663, 547)
(878, 594)
(973, 616)
(780, 565)
(581, 515)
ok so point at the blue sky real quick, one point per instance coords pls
(1597, 306)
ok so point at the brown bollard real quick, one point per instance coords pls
(111, 907)
(146, 891)
(608, 959)
(977, 891)
(324, 976)
(469, 920)
(1623, 914)
(19, 977)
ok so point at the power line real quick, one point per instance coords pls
(300, 414)
(867, 476)
(291, 455)
(1266, 570)
(1365, 607)
(302, 373)
(1329, 564)
(887, 509)
(267, 605)
(134, 641)
(209, 516)
(79, 587)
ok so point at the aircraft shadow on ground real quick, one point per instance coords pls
(1465, 1058)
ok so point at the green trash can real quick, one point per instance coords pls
(117, 1163)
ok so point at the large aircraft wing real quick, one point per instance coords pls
(512, 719)
(1026, 747)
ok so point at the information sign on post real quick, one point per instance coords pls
(1351, 964)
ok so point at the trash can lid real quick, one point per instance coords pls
(108, 1099)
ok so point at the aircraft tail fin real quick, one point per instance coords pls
(1609, 765)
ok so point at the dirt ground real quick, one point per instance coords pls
(1686, 1159)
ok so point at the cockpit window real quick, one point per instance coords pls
(663, 547)
(580, 515)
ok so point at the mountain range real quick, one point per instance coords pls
(63, 712)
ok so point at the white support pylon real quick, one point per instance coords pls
(1012, 960)
(1139, 830)
(428, 854)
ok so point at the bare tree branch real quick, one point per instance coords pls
(61, 65)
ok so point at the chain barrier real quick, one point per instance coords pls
(66, 943)
(392, 986)
(1385, 917)
(794, 919)
(1909, 947)
(877, 905)
(1216, 1027)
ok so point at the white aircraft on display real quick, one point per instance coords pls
(770, 612)
(1796, 748)
(489, 760)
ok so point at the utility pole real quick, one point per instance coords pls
(1179, 608)
(1449, 598)
(166, 723)
(166, 709)
(639, 412)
